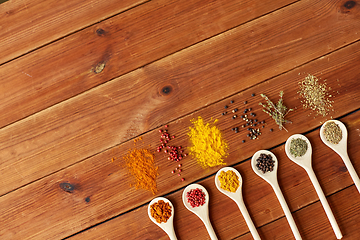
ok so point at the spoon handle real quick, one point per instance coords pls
(171, 234)
(325, 203)
(209, 228)
(248, 220)
(351, 170)
(287, 212)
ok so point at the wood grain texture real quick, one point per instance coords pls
(261, 202)
(123, 43)
(315, 226)
(27, 25)
(135, 103)
(106, 184)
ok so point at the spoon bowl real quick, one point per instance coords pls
(168, 226)
(305, 162)
(238, 199)
(341, 149)
(271, 178)
(201, 211)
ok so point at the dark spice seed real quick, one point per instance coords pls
(226, 107)
(245, 102)
(243, 141)
(253, 95)
(250, 109)
(232, 101)
(271, 130)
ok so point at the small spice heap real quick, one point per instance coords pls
(298, 147)
(208, 146)
(265, 163)
(332, 132)
(278, 111)
(316, 96)
(175, 152)
(160, 211)
(195, 197)
(229, 181)
(141, 164)
(251, 124)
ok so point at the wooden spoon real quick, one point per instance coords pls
(168, 227)
(341, 149)
(237, 197)
(202, 211)
(305, 162)
(271, 178)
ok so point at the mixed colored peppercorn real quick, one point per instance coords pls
(195, 197)
(175, 152)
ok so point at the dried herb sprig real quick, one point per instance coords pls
(278, 111)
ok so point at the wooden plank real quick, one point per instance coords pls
(29, 24)
(135, 103)
(344, 203)
(66, 68)
(260, 200)
(26, 212)
(139, 101)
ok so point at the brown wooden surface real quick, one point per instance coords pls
(61, 121)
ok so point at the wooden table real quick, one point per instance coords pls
(80, 80)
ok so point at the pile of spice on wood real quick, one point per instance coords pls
(195, 197)
(229, 181)
(176, 153)
(332, 132)
(208, 146)
(315, 95)
(251, 123)
(160, 211)
(278, 111)
(265, 163)
(298, 147)
(141, 164)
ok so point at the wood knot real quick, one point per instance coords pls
(166, 90)
(67, 187)
(99, 67)
(350, 4)
(100, 32)
(343, 169)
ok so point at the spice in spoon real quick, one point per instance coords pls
(229, 181)
(160, 211)
(265, 163)
(332, 132)
(298, 147)
(195, 197)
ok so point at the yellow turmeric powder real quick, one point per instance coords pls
(229, 181)
(140, 163)
(208, 146)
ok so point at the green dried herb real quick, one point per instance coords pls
(298, 147)
(332, 132)
(278, 111)
(315, 95)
